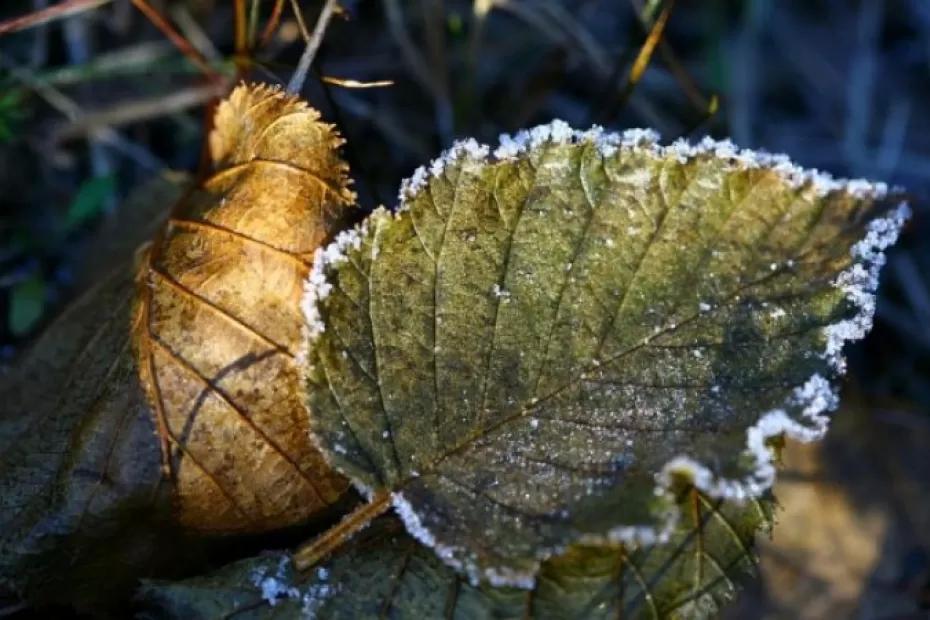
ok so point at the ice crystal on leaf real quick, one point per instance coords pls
(657, 315)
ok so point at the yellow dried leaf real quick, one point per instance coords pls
(219, 320)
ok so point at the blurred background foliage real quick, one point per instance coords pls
(92, 105)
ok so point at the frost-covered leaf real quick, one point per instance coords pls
(80, 489)
(386, 573)
(540, 340)
(219, 322)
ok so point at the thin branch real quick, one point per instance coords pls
(133, 112)
(240, 28)
(52, 13)
(309, 554)
(273, 20)
(313, 45)
(179, 41)
(195, 34)
(301, 24)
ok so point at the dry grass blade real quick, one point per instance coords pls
(52, 13)
(179, 41)
(272, 25)
(345, 83)
(649, 46)
(90, 123)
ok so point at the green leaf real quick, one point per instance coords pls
(540, 342)
(89, 201)
(12, 113)
(385, 573)
(27, 300)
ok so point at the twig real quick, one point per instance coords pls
(52, 13)
(240, 27)
(195, 34)
(135, 111)
(273, 20)
(308, 555)
(313, 45)
(301, 24)
(179, 41)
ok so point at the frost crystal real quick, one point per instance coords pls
(801, 417)
(275, 587)
(860, 281)
(317, 287)
(647, 140)
(450, 555)
(421, 176)
(279, 587)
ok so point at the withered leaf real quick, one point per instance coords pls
(540, 342)
(80, 486)
(194, 347)
(386, 573)
(219, 317)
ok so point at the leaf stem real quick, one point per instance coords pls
(311, 553)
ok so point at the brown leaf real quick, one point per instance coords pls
(219, 320)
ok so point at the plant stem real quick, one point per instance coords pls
(313, 45)
(309, 554)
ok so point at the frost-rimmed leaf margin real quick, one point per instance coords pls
(813, 399)
(384, 572)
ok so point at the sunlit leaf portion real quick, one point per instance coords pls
(219, 322)
(386, 573)
(540, 335)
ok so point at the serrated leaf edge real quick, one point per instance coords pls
(814, 398)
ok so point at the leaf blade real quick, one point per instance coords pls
(386, 573)
(630, 312)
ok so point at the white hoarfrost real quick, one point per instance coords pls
(803, 415)
(279, 586)
(861, 281)
(317, 287)
(450, 555)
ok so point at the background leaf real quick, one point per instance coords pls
(26, 303)
(386, 573)
(90, 200)
(80, 486)
(532, 341)
(219, 319)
